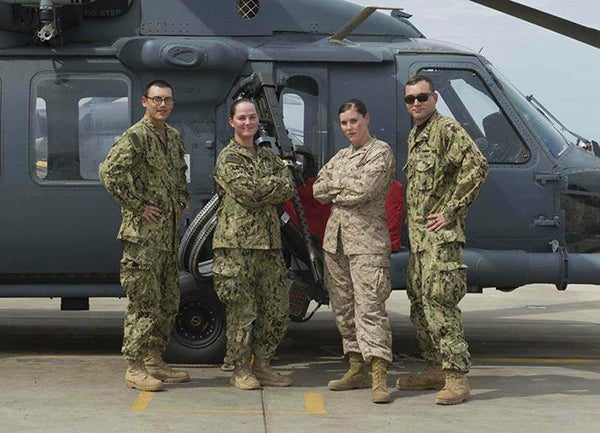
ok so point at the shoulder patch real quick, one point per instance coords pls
(134, 139)
(233, 159)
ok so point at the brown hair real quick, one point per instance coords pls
(418, 78)
(357, 104)
(237, 102)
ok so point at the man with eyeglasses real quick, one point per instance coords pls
(145, 172)
(444, 172)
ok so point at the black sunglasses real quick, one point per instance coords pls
(421, 97)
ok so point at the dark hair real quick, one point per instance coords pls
(158, 83)
(418, 78)
(237, 102)
(357, 104)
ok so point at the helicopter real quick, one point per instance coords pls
(72, 73)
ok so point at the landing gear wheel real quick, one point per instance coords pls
(199, 333)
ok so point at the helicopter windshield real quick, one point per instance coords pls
(537, 122)
(463, 95)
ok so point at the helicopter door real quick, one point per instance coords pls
(510, 200)
(300, 101)
(57, 220)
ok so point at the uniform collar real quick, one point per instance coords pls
(424, 135)
(243, 150)
(364, 147)
(148, 124)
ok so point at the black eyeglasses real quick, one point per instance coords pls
(159, 100)
(421, 97)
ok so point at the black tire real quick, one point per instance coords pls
(198, 336)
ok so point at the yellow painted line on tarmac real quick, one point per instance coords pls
(313, 405)
(208, 411)
(142, 402)
(578, 361)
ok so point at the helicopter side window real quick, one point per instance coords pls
(464, 97)
(41, 139)
(101, 121)
(293, 117)
(0, 124)
(75, 121)
(299, 104)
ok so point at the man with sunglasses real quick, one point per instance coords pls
(145, 172)
(444, 172)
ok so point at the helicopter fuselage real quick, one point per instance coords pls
(537, 217)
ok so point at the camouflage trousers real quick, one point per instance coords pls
(151, 282)
(437, 281)
(358, 287)
(252, 285)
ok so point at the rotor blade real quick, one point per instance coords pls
(587, 35)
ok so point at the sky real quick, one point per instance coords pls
(562, 73)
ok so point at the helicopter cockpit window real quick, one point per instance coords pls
(75, 121)
(464, 97)
(537, 121)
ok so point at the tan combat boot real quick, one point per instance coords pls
(379, 393)
(431, 377)
(357, 376)
(243, 378)
(137, 377)
(162, 371)
(267, 376)
(456, 389)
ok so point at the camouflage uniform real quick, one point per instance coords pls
(249, 272)
(445, 170)
(357, 245)
(143, 169)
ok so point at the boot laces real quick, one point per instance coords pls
(242, 370)
(455, 381)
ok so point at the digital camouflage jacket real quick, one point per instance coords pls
(444, 172)
(141, 169)
(249, 188)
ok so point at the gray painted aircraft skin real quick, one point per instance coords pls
(72, 76)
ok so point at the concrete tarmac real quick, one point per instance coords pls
(536, 368)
